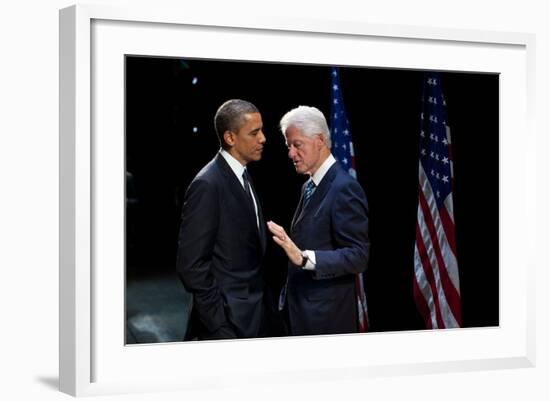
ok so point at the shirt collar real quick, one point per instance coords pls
(235, 165)
(321, 171)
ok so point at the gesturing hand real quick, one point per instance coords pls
(283, 240)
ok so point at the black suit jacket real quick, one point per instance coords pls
(334, 224)
(220, 252)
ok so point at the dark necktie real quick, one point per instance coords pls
(248, 190)
(246, 182)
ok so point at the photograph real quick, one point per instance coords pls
(252, 202)
(270, 199)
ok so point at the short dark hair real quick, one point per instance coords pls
(230, 117)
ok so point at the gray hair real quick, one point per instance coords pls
(230, 116)
(309, 120)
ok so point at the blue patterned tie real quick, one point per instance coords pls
(308, 190)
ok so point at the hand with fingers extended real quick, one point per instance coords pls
(280, 237)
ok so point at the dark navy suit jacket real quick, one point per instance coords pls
(220, 254)
(334, 224)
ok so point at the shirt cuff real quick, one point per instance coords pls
(310, 264)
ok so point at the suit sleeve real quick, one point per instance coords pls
(197, 237)
(350, 236)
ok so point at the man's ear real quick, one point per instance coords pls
(228, 138)
(321, 140)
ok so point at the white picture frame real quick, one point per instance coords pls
(93, 356)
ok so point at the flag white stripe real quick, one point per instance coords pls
(449, 206)
(451, 264)
(446, 313)
(424, 286)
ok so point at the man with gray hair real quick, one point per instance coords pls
(222, 237)
(329, 241)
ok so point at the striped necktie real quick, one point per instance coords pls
(308, 190)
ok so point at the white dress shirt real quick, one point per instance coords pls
(238, 169)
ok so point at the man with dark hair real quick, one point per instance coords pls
(222, 236)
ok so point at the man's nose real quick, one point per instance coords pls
(263, 139)
(291, 152)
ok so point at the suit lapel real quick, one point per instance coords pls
(237, 189)
(234, 185)
(299, 210)
(317, 197)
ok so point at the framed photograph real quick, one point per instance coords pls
(138, 93)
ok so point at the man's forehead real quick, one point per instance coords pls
(251, 116)
(294, 133)
(254, 118)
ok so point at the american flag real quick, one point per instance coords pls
(342, 149)
(436, 281)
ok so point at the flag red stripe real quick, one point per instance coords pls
(363, 323)
(453, 295)
(450, 292)
(425, 260)
(448, 227)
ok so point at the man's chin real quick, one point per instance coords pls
(255, 158)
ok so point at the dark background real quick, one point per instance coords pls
(164, 152)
